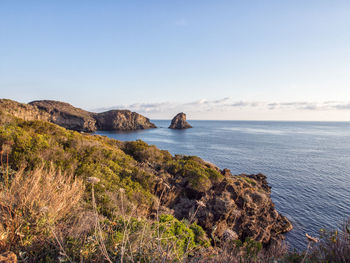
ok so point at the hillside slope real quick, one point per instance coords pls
(155, 184)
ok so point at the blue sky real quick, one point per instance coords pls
(160, 57)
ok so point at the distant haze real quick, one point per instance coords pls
(253, 60)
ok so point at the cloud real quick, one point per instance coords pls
(311, 106)
(227, 105)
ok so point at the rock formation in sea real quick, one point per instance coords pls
(124, 120)
(70, 117)
(179, 122)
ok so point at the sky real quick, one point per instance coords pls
(227, 60)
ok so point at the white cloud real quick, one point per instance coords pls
(227, 108)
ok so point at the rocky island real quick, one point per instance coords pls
(179, 122)
(133, 182)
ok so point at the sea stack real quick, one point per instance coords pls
(179, 122)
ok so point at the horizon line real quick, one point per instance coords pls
(252, 120)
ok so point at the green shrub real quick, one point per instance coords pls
(143, 152)
(199, 176)
(187, 237)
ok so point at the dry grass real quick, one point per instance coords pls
(140, 239)
(334, 246)
(33, 203)
(230, 252)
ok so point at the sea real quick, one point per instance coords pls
(307, 164)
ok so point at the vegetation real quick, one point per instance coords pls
(87, 216)
(199, 174)
(72, 197)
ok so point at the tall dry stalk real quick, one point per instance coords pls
(98, 230)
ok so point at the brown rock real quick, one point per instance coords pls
(179, 122)
(8, 257)
(24, 111)
(236, 207)
(226, 172)
(229, 235)
(122, 120)
(67, 116)
(70, 117)
(73, 118)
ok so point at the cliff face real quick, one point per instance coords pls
(179, 122)
(24, 111)
(233, 207)
(70, 117)
(67, 116)
(123, 120)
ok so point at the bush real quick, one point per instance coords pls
(193, 169)
(143, 152)
(334, 246)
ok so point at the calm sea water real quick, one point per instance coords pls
(307, 163)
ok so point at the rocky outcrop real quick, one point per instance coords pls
(67, 116)
(179, 122)
(235, 207)
(123, 120)
(73, 118)
(24, 111)
(70, 117)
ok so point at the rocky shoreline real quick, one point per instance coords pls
(233, 208)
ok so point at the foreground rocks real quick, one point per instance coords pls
(70, 117)
(235, 207)
(179, 122)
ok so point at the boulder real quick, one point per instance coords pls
(179, 122)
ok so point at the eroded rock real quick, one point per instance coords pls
(24, 111)
(235, 207)
(70, 117)
(179, 122)
(123, 120)
(67, 116)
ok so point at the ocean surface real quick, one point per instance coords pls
(306, 163)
